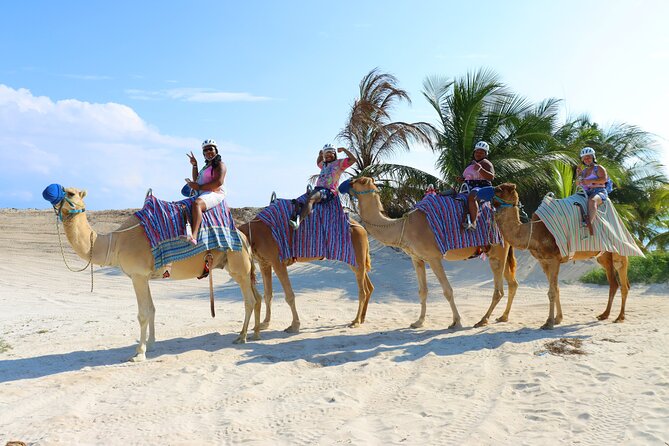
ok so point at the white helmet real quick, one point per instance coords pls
(329, 148)
(482, 145)
(588, 151)
(209, 142)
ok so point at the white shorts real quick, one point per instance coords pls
(211, 199)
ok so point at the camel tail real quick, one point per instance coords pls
(511, 261)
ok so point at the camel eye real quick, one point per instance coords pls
(70, 194)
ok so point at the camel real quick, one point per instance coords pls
(535, 237)
(413, 235)
(266, 252)
(128, 248)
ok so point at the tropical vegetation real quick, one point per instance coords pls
(530, 145)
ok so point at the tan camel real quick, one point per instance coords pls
(413, 235)
(266, 252)
(535, 237)
(129, 248)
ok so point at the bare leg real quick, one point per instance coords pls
(593, 202)
(198, 208)
(473, 205)
(313, 199)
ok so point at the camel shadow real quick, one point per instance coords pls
(40, 366)
(406, 344)
(325, 351)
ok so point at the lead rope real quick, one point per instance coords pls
(62, 253)
(209, 260)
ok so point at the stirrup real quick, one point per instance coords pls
(309, 189)
(272, 198)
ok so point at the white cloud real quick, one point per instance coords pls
(105, 148)
(195, 95)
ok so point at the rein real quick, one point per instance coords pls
(60, 241)
(508, 204)
(386, 225)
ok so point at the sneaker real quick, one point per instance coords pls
(294, 223)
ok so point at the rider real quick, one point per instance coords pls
(593, 179)
(478, 177)
(208, 184)
(328, 179)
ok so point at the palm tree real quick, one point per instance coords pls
(478, 106)
(374, 138)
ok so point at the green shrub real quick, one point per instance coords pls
(654, 268)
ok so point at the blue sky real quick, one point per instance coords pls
(109, 96)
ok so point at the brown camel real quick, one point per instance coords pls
(129, 248)
(266, 252)
(535, 237)
(413, 235)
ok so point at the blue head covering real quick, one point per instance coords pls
(345, 187)
(54, 193)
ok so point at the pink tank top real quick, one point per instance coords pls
(472, 173)
(206, 175)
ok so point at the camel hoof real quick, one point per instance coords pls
(256, 336)
(295, 328)
(264, 325)
(139, 357)
(240, 340)
(547, 326)
(481, 323)
(602, 317)
(354, 324)
(502, 319)
(619, 319)
(417, 324)
(558, 320)
(455, 326)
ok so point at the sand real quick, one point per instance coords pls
(64, 378)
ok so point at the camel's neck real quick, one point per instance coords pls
(513, 231)
(79, 234)
(385, 230)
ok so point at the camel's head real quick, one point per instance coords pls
(66, 200)
(358, 186)
(505, 195)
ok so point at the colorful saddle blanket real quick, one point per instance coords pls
(324, 234)
(445, 216)
(163, 223)
(563, 219)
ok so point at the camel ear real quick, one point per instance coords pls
(82, 194)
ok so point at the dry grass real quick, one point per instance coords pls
(565, 346)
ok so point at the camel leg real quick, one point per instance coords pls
(239, 267)
(419, 266)
(551, 268)
(266, 272)
(606, 261)
(281, 272)
(512, 284)
(438, 269)
(360, 276)
(146, 315)
(621, 264)
(369, 289)
(497, 259)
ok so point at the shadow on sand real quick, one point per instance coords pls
(324, 351)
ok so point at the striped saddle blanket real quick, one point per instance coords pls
(164, 225)
(323, 234)
(563, 219)
(445, 216)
